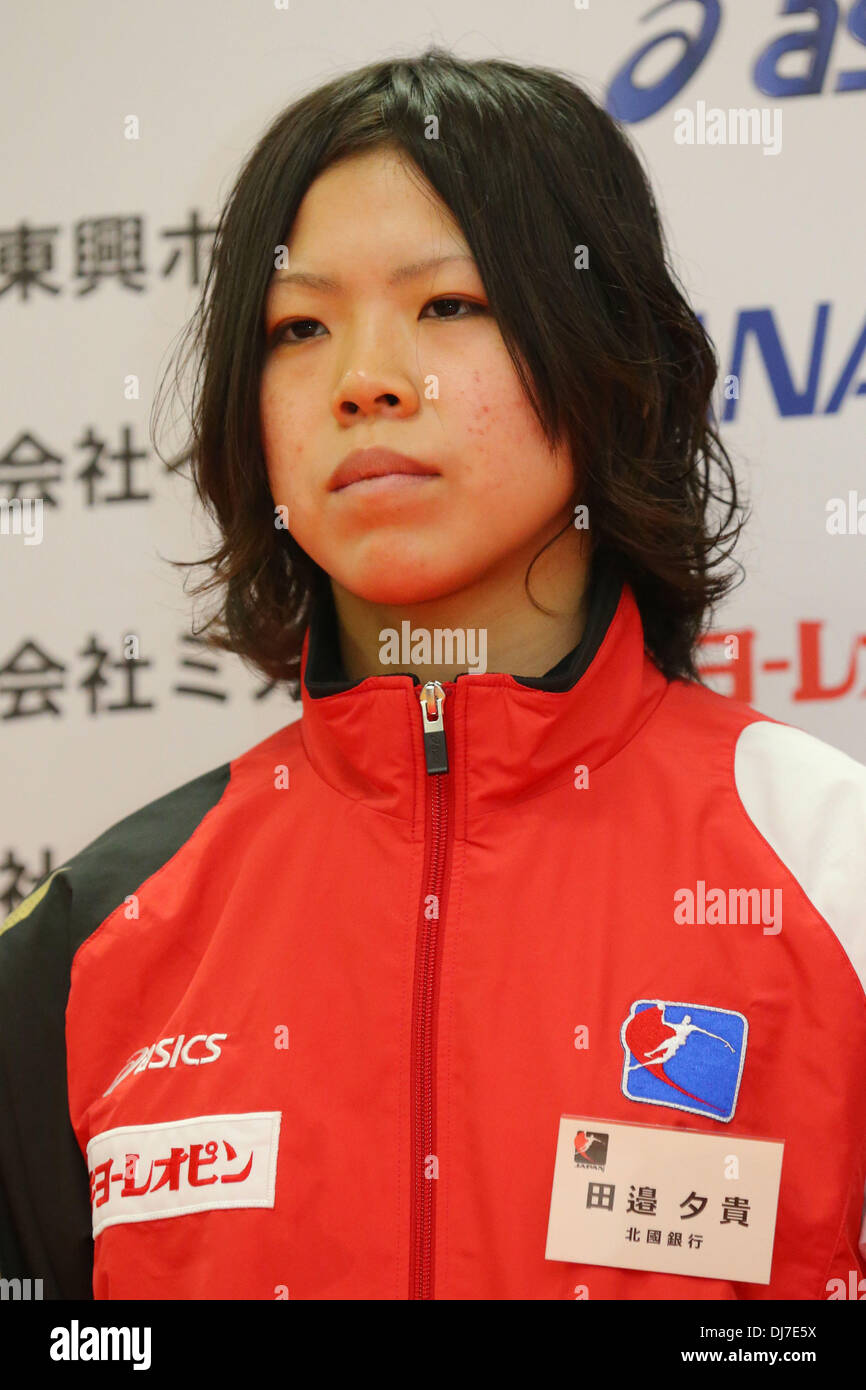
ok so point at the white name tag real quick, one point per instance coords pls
(677, 1201)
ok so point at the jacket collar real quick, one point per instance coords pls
(509, 737)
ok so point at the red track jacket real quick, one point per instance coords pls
(305, 1026)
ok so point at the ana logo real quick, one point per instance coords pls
(685, 1056)
(590, 1149)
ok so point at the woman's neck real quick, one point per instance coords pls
(491, 625)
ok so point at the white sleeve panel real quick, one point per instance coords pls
(808, 800)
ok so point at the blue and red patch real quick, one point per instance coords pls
(685, 1056)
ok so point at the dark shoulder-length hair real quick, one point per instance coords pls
(611, 357)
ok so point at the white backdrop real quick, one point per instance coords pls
(761, 242)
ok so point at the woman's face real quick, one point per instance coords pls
(377, 362)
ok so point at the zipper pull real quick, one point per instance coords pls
(432, 698)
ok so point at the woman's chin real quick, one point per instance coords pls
(399, 585)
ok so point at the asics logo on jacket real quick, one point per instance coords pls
(168, 1051)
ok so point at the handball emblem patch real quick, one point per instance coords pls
(685, 1056)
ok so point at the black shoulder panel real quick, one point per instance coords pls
(45, 1223)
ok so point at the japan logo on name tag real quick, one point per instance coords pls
(675, 1201)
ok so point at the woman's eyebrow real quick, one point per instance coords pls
(323, 282)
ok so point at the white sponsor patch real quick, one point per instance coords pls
(145, 1172)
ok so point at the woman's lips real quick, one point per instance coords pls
(388, 483)
(362, 465)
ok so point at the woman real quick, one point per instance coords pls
(355, 1014)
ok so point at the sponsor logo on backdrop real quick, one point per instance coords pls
(791, 61)
(820, 374)
(813, 674)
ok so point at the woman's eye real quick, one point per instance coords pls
(283, 334)
(453, 299)
(280, 335)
